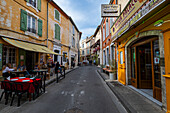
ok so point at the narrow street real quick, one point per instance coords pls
(82, 91)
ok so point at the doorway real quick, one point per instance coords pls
(145, 66)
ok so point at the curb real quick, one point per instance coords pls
(54, 79)
(127, 106)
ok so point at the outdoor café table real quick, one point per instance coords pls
(19, 72)
(41, 71)
(26, 82)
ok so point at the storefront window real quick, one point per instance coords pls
(9, 55)
(157, 73)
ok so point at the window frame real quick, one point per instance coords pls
(59, 15)
(34, 31)
(7, 56)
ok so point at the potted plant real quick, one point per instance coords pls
(113, 68)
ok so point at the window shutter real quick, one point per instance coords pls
(0, 56)
(55, 31)
(57, 15)
(39, 27)
(23, 20)
(39, 5)
(58, 32)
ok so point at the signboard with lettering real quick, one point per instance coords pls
(131, 8)
(110, 10)
(130, 16)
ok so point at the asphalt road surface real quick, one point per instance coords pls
(82, 91)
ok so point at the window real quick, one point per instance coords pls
(57, 32)
(9, 55)
(35, 4)
(88, 51)
(103, 33)
(31, 24)
(57, 15)
(88, 44)
(73, 42)
(121, 57)
(83, 46)
(107, 27)
(64, 56)
(73, 30)
(83, 52)
(111, 22)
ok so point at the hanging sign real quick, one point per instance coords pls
(110, 10)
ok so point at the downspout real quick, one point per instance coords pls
(47, 21)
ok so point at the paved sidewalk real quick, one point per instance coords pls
(9, 109)
(130, 99)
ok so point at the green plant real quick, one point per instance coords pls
(113, 65)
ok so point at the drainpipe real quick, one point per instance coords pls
(47, 21)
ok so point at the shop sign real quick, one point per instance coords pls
(123, 24)
(130, 9)
(110, 10)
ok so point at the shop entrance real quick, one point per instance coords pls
(145, 66)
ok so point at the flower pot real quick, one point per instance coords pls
(112, 76)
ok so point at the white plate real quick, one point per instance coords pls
(14, 79)
(21, 77)
(32, 78)
(25, 80)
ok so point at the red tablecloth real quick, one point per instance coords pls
(27, 85)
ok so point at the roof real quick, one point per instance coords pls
(95, 33)
(73, 23)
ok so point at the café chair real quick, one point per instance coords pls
(7, 86)
(19, 91)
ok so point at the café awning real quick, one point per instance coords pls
(29, 46)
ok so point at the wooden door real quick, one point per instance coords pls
(133, 67)
(144, 66)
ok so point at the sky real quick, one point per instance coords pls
(86, 14)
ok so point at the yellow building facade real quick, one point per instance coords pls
(22, 22)
(58, 33)
(142, 35)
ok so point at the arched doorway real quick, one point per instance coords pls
(145, 72)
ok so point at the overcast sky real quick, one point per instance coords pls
(85, 13)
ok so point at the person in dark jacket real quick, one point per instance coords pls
(57, 67)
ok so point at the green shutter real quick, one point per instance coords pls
(23, 20)
(39, 5)
(0, 56)
(39, 27)
(57, 15)
(55, 31)
(58, 32)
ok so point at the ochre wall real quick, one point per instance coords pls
(10, 12)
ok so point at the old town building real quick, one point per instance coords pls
(33, 32)
(142, 36)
